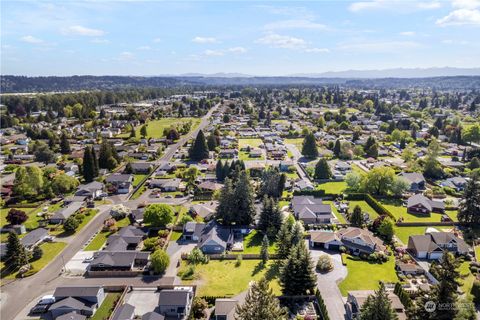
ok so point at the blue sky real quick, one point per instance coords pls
(252, 37)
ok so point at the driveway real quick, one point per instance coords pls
(328, 284)
(174, 251)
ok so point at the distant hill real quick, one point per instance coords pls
(18, 84)
(395, 73)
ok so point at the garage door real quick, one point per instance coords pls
(334, 247)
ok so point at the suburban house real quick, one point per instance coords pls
(119, 183)
(204, 210)
(82, 300)
(119, 261)
(431, 245)
(225, 309)
(127, 238)
(211, 237)
(419, 204)
(357, 298)
(175, 302)
(227, 153)
(166, 185)
(210, 186)
(456, 183)
(416, 180)
(141, 167)
(124, 312)
(311, 210)
(64, 213)
(356, 240)
(34, 238)
(92, 190)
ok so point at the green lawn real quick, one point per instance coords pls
(245, 156)
(60, 232)
(176, 235)
(155, 127)
(223, 278)
(252, 243)
(33, 219)
(477, 252)
(337, 187)
(107, 306)
(137, 178)
(296, 141)
(292, 175)
(101, 237)
(399, 211)
(252, 142)
(339, 216)
(50, 251)
(467, 277)
(365, 275)
(404, 232)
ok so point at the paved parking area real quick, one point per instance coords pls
(77, 265)
(143, 299)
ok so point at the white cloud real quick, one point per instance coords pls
(157, 40)
(460, 17)
(222, 52)
(379, 46)
(83, 31)
(295, 24)
(278, 41)
(407, 33)
(31, 39)
(204, 40)
(393, 5)
(126, 55)
(317, 50)
(466, 13)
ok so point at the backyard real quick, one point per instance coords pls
(106, 308)
(396, 208)
(252, 243)
(223, 278)
(365, 275)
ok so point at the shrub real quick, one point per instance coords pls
(16, 216)
(238, 262)
(37, 253)
(187, 273)
(199, 307)
(196, 256)
(71, 224)
(324, 263)
(163, 233)
(160, 261)
(150, 244)
(476, 291)
(80, 217)
(162, 242)
(158, 214)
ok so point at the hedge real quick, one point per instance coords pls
(322, 306)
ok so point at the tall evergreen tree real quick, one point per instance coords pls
(88, 167)
(322, 170)
(212, 142)
(64, 144)
(143, 131)
(469, 208)
(199, 149)
(270, 220)
(96, 168)
(309, 147)
(356, 219)
(297, 276)
(16, 255)
(284, 240)
(378, 306)
(225, 204)
(244, 200)
(260, 304)
(337, 148)
(264, 249)
(219, 173)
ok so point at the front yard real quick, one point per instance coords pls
(365, 275)
(50, 251)
(99, 240)
(223, 278)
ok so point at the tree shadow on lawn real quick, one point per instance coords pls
(272, 271)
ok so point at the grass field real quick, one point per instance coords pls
(399, 211)
(33, 219)
(337, 187)
(252, 243)
(467, 277)
(155, 127)
(298, 142)
(245, 156)
(137, 178)
(50, 251)
(223, 278)
(404, 232)
(99, 240)
(365, 275)
(252, 142)
(106, 308)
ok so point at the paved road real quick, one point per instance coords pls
(20, 293)
(328, 285)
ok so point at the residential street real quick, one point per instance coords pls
(19, 293)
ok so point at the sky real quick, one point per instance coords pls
(250, 37)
